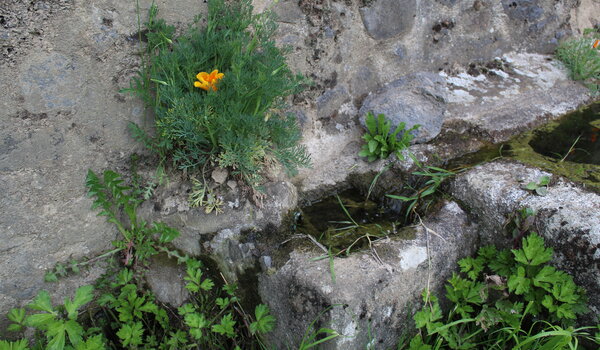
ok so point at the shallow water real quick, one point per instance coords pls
(569, 147)
(347, 222)
(574, 139)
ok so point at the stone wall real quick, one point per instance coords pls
(63, 63)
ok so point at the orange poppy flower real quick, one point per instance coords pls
(208, 81)
(596, 43)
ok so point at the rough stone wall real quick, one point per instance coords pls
(62, 65)
(63, 62)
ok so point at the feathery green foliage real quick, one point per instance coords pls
(581, 58)
(241, 125)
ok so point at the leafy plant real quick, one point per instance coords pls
(509, 299)
(540, 187)
(203, 196)
(381, 142)
(240, 123)
(314, 337)
(140, 239)
(128, 316)
(581, 57)
(57, 327)
(435, 177)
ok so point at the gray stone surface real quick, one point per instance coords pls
(519, 92)
(385, 19)
(567, 217)
(524, 10)
(374, 297)
(170, 205)
(414, 99)
(62, 66)
(165, 278)
(330, 102)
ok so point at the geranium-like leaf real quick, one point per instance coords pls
(533, 252)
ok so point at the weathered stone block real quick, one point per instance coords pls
(386, 19)
(376, 292)
(414, 99)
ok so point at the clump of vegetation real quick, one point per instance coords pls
(126, 315)
(581, 57)
(232, 117)
(423, 193)
(505, 299)
(381, 141)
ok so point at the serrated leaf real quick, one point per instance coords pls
(371, 123)
(222, 302)
(546, 277)
(416, 343)
(92, 343)
(186, 309)
(74, 331)
(50, 276)
(519, 283)
(42, 302)
(20, 344)
(39, 321)
(106, 299)
(196, 322)
(131, 335)
(167, 234)
(207, 284)
(565, 311)
(56, 336)
(17, 315)
(14, 328)
(503, 264)
(225, 327)
(124, 276)
(533, 252)
(83, 295)
(149, 307)
(264, 322)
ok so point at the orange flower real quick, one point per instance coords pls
(208, 81)
(596, 43)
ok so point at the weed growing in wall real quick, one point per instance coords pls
(581, 56)
(505, 299)
(120, 312)
(381, 141)
(218, 94)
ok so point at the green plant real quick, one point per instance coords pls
(581, 57)
(540, 187)
(240, 124)
(381, 142)
(57, 327)
(128, 316)
(507, 299)
(435, 177)
(140, 239)
(203, 196)
(314, 337)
